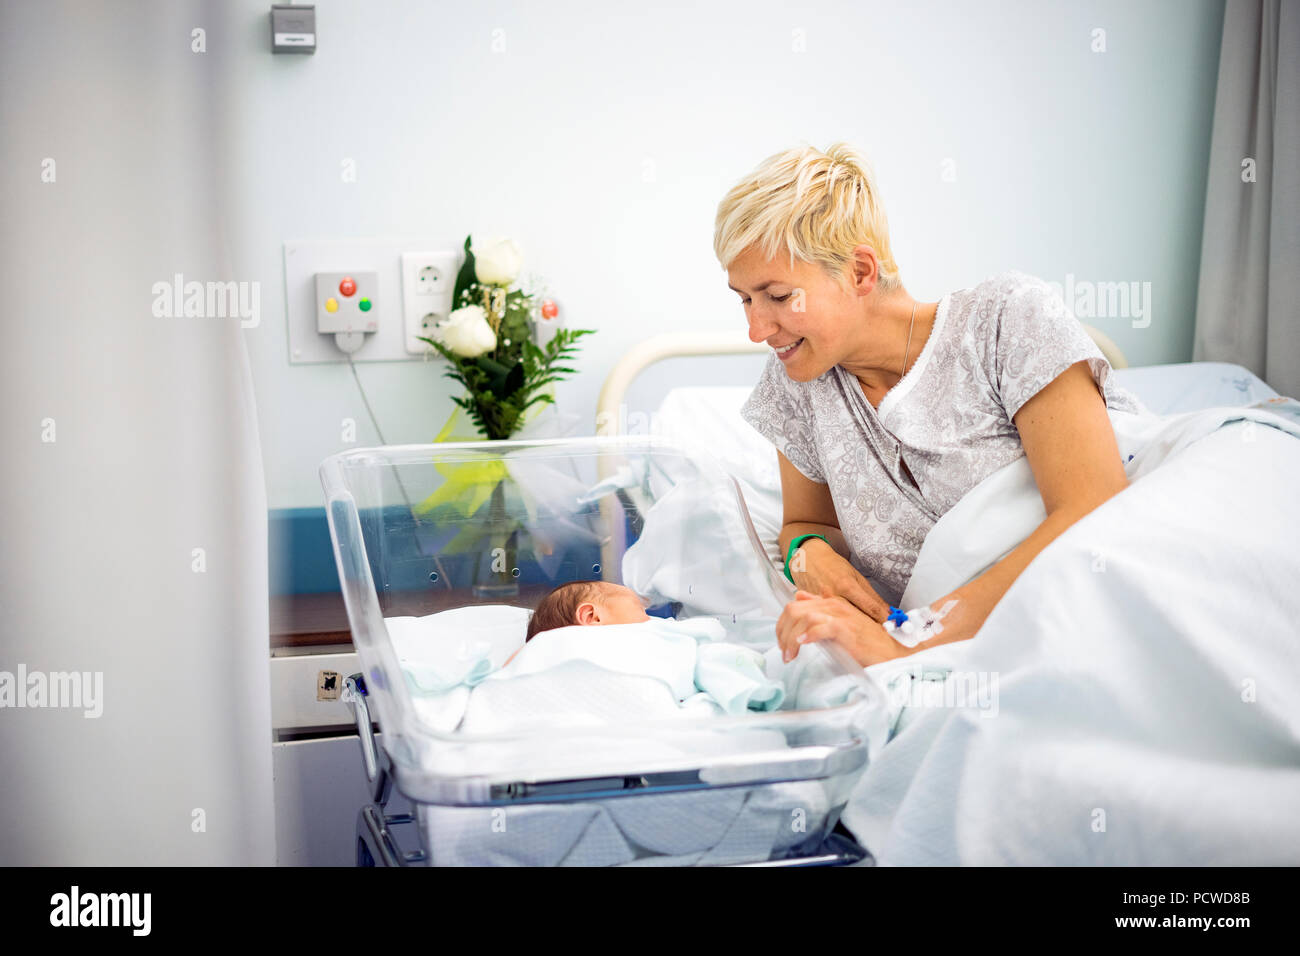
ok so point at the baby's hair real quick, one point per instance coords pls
(560, 607)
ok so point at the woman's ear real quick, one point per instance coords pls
(864, 269)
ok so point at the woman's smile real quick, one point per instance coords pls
(784, 353)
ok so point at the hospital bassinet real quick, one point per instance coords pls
(421, 528)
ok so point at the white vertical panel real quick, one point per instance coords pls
(156, 451)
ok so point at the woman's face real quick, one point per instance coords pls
(802, 305)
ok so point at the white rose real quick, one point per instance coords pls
(496, 262)
(467, 332)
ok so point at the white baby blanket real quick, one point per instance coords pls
(591, 679)
(689, 656)
(456, 647)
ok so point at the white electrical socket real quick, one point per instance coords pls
(428, 282)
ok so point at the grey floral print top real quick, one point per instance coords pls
(992, 348)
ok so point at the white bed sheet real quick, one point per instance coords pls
(1145, 667)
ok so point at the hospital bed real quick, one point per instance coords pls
(687, 515)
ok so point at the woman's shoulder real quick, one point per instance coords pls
(978, 309)
(1008, 284)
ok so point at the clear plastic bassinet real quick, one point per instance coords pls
(417, 529)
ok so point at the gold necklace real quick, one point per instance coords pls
(909, 338)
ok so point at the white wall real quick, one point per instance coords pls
(1067, 161)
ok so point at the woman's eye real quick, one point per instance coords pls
(779, 298)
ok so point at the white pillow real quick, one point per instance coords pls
(687, 533)
(1187, 386)
(445, 635)
(708, 417)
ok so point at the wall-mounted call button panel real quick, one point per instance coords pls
(394, 295)
(347, 302)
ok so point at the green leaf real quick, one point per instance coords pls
(514, 380)
(491, 366)
(466, 277)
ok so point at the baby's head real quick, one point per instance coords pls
(586, 602)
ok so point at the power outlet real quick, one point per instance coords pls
(428, 283)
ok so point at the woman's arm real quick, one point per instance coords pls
(807, 508)
(810, 509)
(1071, 447)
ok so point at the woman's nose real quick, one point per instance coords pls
(760, 329)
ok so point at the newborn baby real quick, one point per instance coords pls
(587, 602)
(690, 656)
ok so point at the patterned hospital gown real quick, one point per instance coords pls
(992, 348)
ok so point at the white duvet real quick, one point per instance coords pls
(1141, 677)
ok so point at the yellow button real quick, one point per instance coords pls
(331, 304)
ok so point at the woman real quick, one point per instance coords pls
(885, 411)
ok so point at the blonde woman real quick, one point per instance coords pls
(885, 411)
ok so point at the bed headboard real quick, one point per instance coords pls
(668, 345)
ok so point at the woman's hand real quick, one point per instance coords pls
(815, 565)
(808, 619)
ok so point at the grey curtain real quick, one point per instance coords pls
(1248, 302)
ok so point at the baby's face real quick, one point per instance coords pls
(615, 605)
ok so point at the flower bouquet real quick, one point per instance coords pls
(506, 345)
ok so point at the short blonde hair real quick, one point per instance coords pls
(817, 205)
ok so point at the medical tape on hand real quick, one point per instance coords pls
(919, 625)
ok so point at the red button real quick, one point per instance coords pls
(347, 286)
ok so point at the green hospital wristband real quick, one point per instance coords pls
(794, 544)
